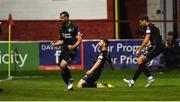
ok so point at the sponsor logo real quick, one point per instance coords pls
(15, 57)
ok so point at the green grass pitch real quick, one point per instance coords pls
(49, 87)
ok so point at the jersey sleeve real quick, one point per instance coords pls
(148, 31)
(100, 56)
(77, 31)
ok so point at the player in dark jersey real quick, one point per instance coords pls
(94, 73)
(70, 39)
(153, 41)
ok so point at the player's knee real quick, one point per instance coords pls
(60, 67)
(139, 61)
(80, 83)
(63, 64)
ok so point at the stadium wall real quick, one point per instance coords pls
(178, 18)
(33, 30)
(129, 10)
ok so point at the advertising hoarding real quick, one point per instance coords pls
(24, 56)
(49, 57)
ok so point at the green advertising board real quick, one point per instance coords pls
(24, 56)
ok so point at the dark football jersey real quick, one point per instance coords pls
(68, 34)
(105, 57)
(155, 37)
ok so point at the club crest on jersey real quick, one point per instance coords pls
(69, 30)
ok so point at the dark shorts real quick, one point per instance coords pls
(67, 55)
(92, 78)
(153, 52)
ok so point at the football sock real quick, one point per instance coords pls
(66, 75)
(138, 72)
(142, 68)
(145, 70)
(150, 78)
(131, 81)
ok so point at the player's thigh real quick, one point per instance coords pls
(65, 59)
(141, 59)
(68, 56)
(63, 64)
(154, 53)
(93, 77)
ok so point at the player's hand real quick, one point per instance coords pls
(52, 44)
(89, 72)
(70, 47)
(137, 51)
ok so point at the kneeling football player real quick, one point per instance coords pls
(92, 75)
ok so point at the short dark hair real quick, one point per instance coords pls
(66, 14)
(143, 17)
(106, 42)
(170, 33)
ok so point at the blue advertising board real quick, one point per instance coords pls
(49, 56)
(121, 51)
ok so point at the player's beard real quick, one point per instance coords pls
(142, 26)
(100, 47)
(65, 23)
(62, 22)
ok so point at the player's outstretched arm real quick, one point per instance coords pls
(59, 42)
(95, 66)
(145, 41)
